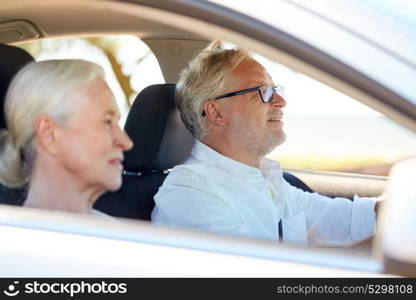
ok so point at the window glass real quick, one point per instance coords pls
(128, 62)
(327, 130)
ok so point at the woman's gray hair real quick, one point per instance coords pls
(38, 88)
(202, 80)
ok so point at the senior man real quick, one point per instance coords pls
(231, 105)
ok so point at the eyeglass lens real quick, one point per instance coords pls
(267, 93)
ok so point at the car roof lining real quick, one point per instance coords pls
(65, 18)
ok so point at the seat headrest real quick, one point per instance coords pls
(161, 140)
(11, 60)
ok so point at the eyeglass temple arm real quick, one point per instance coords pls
(238, 93)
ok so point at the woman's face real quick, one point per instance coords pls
(91, 142)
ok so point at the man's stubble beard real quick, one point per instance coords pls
(252, 142)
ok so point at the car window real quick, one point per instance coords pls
(129, 63)
(328, 130)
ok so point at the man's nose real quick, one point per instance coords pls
(278, 101)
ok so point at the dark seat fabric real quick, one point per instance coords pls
(161, 141)
(12, 59)
(13, 196)
(293, 180)
(156, 129)
(135, 198)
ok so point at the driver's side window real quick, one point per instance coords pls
(327, 130)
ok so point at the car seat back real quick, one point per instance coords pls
(161, 141)
(12, 59)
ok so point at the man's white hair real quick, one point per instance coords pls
(38, 88)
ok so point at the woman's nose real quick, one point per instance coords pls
(122, 140)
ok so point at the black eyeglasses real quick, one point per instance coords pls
(265, 91)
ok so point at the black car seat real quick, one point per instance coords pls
(12, 59)
(161, 141)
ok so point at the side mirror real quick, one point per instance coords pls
(397, 220)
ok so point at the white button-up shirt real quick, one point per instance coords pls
(214, 193)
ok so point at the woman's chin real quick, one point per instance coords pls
(114, 184)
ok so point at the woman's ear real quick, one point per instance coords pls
(214, 113)
(46, 133)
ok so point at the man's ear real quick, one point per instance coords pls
(46, 133)
(214, 113)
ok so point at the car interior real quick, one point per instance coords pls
(153, 121)
(173, 46)
(160, 139)
(160, 142)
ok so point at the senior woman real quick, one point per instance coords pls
(62, 135)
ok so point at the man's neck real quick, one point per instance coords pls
(235, 152)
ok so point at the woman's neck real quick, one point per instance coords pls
(57, 191)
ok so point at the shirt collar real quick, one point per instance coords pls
(268, 168)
